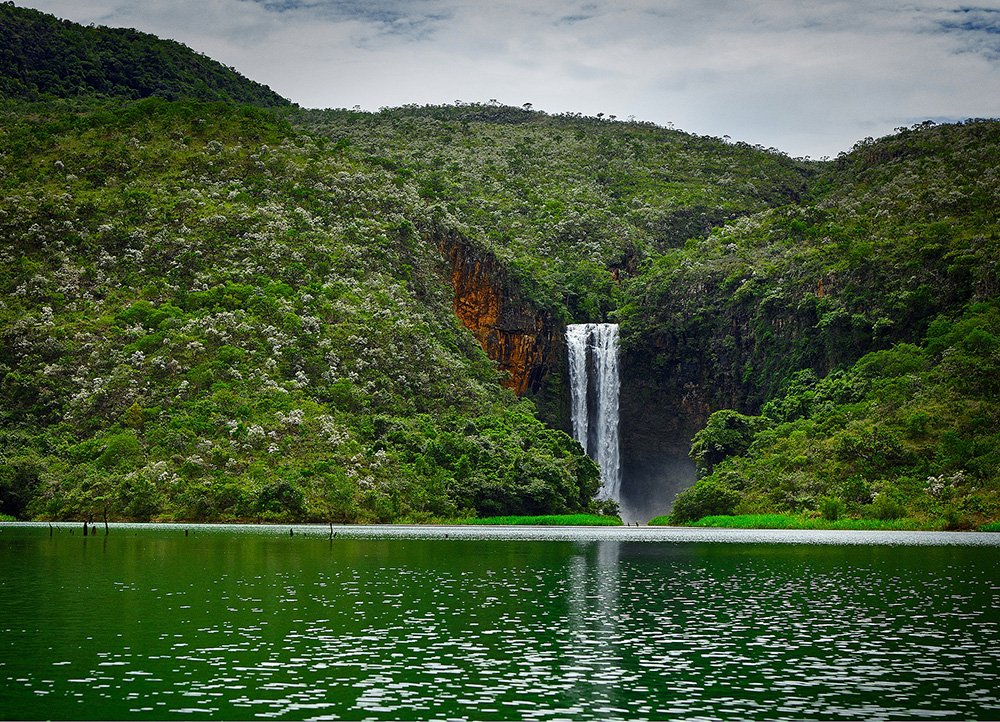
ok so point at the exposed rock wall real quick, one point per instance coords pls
(528, 344)
(525, 342)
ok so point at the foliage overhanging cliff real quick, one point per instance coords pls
(570, 204)
(218, 311)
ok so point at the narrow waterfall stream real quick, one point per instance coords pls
(594, 389)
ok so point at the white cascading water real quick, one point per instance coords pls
(576, 342)
(595, 346)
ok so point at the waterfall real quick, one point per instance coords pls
(606, 453)
(576, 341)
(593, 378)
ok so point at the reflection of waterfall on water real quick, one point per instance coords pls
(593, 377)
(594, 583)
(593, 619)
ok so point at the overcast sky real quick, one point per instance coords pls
(810, 77)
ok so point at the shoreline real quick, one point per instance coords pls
(647, 534)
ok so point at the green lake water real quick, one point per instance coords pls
(416, 623)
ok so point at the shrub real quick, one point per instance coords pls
(281, 496)
(727, 433)
(605, 507)
(885, 507)
(705, 498)
(832, 508)
(19, 481)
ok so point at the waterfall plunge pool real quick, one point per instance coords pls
(496, 623)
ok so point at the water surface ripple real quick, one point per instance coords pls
(403, 623)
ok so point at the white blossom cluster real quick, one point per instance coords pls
(937, 485)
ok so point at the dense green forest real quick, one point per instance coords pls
(862, 336)
(43, 57)
(910, 431)
(571, 204)
(207, 315)
(242, 310)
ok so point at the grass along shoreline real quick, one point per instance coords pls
(544, 520)
(739, 521)
(796, 521)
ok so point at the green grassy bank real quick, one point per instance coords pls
(796, 521)
(545, 520)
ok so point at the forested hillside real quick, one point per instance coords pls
(908, 432)
(898, 248)
(208, 316)
(43, 57)
(890, 235)
(216, 310)
(571, 204)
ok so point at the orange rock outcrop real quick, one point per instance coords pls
(518, 337)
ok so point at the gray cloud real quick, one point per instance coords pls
(808, 77)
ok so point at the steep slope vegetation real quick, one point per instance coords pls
(899, 236)
(570, 204)
(205, 315)
(572, 207)
(909, 432)
(895, 233)
(43, 57)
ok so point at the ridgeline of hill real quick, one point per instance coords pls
(43, 57)
(218, 311)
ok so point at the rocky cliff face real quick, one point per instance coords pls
(657, 419)
(524, 341)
